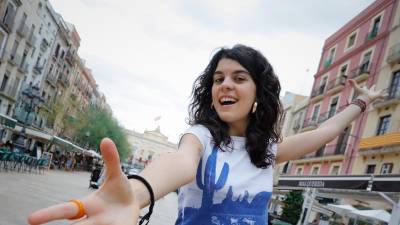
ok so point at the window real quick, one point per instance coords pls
(8, 110)
(57, 50)
(23, 20)
(299, 171)
(351, 40)
(33, 52)
(375, 26)
(335, 170)
(365, 61)
(315, 170)
(333, 106)
(394, 90)
(315, 113)
(323, 84)
(14, 49)
(24, 58)
(9, 15)
(383, 125)
(386, 168)
(332, 53)
(370, 169)
(4, 82)
(343, 71)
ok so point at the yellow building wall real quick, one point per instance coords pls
(361, 163)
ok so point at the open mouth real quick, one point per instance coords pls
(227, 101)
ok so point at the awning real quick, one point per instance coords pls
(66, 144)
(380, 141)
(34, 133)
(92, 153)
(7, 121)
(380, 215)
(381, 183)
(350, 211)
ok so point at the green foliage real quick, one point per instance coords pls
(293, 206)
(96, 124)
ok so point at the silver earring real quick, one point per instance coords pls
(254, 107)
(212, 105)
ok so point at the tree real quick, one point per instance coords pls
(96, 124)
(293, 205)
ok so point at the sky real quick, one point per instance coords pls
(145, 55)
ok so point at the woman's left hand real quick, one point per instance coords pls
(368, 94)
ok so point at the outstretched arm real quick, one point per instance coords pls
(119, 200)
(295, 146)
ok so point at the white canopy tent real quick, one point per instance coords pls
(350, 211)
(342, 209)
(92, 153)
(380, 215)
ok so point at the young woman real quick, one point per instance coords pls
(224, 164)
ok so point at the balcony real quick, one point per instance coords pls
(52, 80)
(361, 73)
(372, 34)
(44, 45)
(9, 92)
(387, 143)
(14, 59)
(64, 79)
(336, 85)
(69, 58)
(392, 99)
(394, 55)
(37, 69)
(23, 30)
(323, 117)
(331, 152)
(309, 124)
(317, 94)
(31, 40)
(8, 23)
(328, 62)
(23, 68)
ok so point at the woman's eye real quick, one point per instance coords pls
(218, 80)
(239, 78)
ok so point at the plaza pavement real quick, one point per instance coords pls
(23, 193)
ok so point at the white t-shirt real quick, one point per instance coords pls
(228, 188)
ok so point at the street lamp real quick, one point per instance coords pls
(31, 101)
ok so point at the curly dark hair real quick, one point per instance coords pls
(263, 126)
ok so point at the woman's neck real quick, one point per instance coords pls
(238, 129)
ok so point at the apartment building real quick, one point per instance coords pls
(38, 61)
(356, 51)
(379, 148)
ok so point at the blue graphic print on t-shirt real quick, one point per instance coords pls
(229, 211)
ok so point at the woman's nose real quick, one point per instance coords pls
(227, 84)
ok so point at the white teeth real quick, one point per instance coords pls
(227, 99)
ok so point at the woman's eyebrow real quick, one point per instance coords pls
(241, 71)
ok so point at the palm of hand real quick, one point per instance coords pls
(370, 93)
(113, 204)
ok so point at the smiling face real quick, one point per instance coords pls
(233, 95)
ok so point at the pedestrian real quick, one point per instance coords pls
(224, 165)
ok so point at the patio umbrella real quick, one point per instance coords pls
(342, 209)
(93, 153)
(380, 215)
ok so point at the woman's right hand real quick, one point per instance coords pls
(113, 203)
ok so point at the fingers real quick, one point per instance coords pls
(61, 211)
(110, 157)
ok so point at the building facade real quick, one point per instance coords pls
(379, 149)
(356, 51)
(149, 145)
